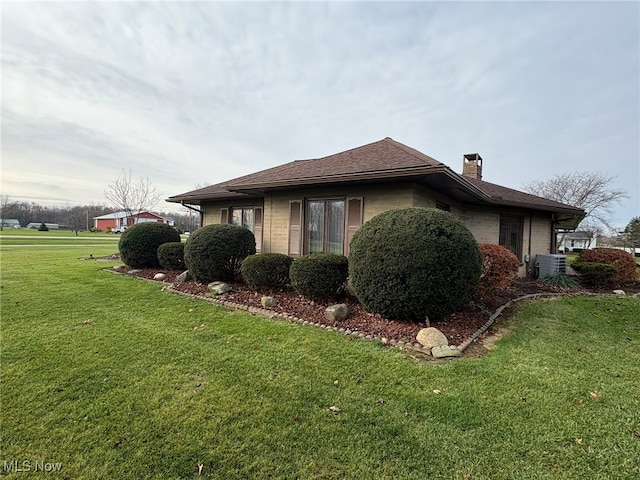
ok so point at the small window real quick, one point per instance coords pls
(249, 218)
(243, 217)
(511, 234)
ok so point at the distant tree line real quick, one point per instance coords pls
(78, 218)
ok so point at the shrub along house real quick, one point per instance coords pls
(317, 205)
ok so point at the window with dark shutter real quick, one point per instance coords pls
(353, 220)
(295, 228)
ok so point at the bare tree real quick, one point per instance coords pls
(4, 202)
(591, 191)
(76, 221)
(132, 196)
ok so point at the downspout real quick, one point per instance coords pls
(528, 259)
(186, 205)
(552, 245)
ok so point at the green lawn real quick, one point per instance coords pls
(111, 377)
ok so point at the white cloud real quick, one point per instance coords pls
(192, 92)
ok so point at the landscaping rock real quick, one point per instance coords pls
(134, 271)
(620, 293)
(445, 351)
(219, 287)
(159, 276)
(431, 337)
(337, 313)
(184, 277)
(268, 302)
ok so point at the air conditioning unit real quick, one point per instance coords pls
(550, 264)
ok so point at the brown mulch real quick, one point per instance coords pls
(457, 327)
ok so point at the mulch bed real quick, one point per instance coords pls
(457, 327)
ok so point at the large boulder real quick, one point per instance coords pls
(220, 288)
(337, 313)
(431, 337)
(184, 277)
(268, 302)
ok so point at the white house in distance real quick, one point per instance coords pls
(120, 220)
(577, 241)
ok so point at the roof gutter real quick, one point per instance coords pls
(186, 205)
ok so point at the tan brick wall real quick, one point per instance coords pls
(483, 222)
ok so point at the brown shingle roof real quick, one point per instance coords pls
(382, 160)
(509, 196)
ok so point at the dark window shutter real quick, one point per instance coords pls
(353, 220)
(257, 228)
(295, 228)
(224, 215)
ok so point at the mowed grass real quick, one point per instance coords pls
(111, 377)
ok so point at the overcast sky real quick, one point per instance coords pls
(194, 93)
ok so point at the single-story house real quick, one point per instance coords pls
(576, 241)
(317, 205)
(121, 220)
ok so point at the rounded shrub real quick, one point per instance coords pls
(266, 270)
(594, 274)
(216, 252)
(499, 267)
(319, 275)
(171, 256)
(623, 261)
(414, 262)
(139, 244)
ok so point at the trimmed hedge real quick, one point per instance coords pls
(319, 275)
(414, 262)
(215, 252)
(138, 245)
(171, 256)
(595, 274)
(499, 267)
(623, 261)
(266, 270)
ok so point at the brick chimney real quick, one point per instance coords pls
(472, 166)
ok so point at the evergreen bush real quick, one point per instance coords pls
(414, 262)
(139, 244)
(319, 275)
(171, 255)
(216, 252)
(43, 228)
(266, 270)
(594, 274)
(623, 261)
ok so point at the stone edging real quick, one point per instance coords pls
(497, 313)
(416, 347)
